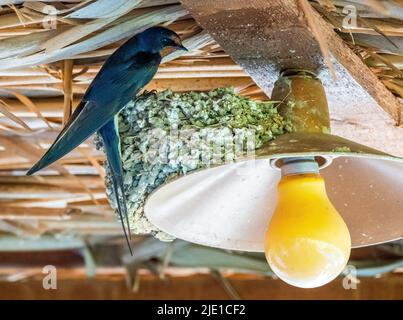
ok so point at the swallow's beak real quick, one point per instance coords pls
(181, 47)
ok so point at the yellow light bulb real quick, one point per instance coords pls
(307, 243)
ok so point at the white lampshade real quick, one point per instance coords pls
(230, 206)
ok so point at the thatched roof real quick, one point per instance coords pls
(45, 70)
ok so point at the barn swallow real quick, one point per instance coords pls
(121, 78)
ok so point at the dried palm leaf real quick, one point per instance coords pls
(58, 8)
(30, 105)
(4, 110)
(104, 9)
(97, 8)
(113, 34)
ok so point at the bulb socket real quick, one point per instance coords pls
(298, 165)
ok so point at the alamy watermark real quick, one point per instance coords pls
(49, 282)
(49, 20)
(350, 280)
(350, 20)
(193, 149)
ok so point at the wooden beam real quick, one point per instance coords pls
(87, 179)
(38, 213)
(172, 73)
(198, 84)
(67, 76)
(8, 162)
(29, 191)
(265, 37)
(113, 286)
(53, 107)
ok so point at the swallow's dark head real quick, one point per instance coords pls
(160, 38)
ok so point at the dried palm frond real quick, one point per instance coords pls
(4, 109)
(377, 37)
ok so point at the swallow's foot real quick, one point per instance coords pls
(146, 94)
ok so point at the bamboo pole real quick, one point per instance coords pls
(67, 89)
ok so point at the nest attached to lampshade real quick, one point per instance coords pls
(171, 134)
